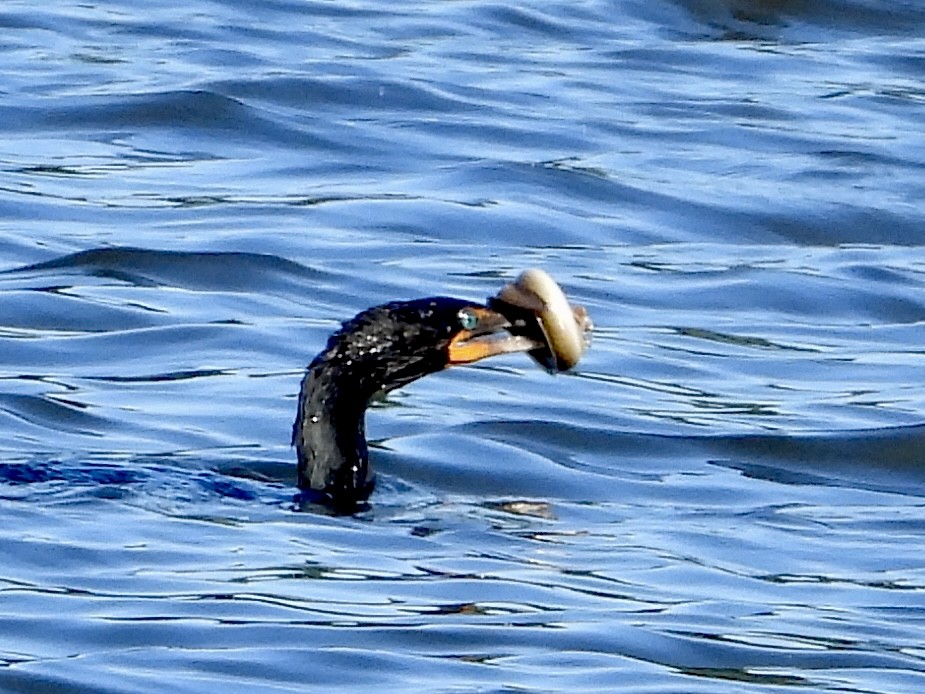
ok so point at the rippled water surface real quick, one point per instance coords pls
(728, 494)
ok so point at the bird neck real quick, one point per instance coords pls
(378, 350)
(330, 434)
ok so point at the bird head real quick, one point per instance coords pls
(393, 344)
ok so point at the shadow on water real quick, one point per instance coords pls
(767, 19)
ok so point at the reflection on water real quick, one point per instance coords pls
(725, 496)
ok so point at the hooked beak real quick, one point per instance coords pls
(489, 338)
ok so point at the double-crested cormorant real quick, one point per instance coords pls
(383, 348)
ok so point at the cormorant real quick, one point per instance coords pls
(386, 347)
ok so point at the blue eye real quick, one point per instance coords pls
(468, 319)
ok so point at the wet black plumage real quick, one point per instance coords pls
(380, 349)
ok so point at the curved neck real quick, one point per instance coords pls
(329, 436)
(378, 350)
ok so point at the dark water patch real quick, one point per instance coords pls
(847, 224)
(761, 20)
(878, 460)
(197, 271)
(42, 472)
(739, 340)
(532, 20)
(55, 413)
(198, 112)
(161, 377)
(182, 485)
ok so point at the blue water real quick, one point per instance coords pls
(727, 495)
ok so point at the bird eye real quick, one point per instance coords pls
(468, 319)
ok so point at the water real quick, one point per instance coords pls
(726, 496)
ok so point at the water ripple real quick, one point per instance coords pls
(725, 496)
